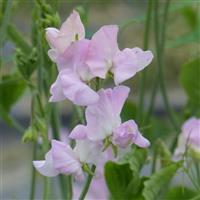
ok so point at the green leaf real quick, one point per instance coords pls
(118, 178)
(158, 181)
(180, 192)
(11, 88)
(16, 37)
(189, 79)
(136, 159)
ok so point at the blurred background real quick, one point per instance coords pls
(182, 44)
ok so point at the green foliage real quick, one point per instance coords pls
(26, 63)
(119, 180)
(158, 181)
(11, 89)
(189, 79)
(191, 37)
(136, 159)
(16, 37)
(182, 193)
(129, 111)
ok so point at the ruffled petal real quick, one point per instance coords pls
(103, 47)
(128, 62)
(46, 167)
(76, 90)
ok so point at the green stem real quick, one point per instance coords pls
(5, 20)
(160, 44)
(33, 175)
(143, 75)
(87, 184)
(65, 183)
(46, 188)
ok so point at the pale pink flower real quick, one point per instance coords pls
(63, 159)
(104, 56)
(189, 137)
(104, 121)
(73, 76)
(71, 30)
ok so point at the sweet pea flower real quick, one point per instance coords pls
(62, 159)
(105, 56)
(189, 138)
(73, 76)
(103, 120)
(71, 30)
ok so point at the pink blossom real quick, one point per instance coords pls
(73, 76)
(71, 30)
(104, 56)
(63, 159)
(128, 133)
(104, 121)
(190, 137)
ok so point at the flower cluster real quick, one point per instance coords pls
(79, 61)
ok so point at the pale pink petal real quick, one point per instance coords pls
(56, 91)
(104, 116)
(103, 48)
(64, 159)
(76, 90)
(51, 36)
(46, 167)
(128, 133)
(53, 54)
(88, 151)
(128, 62)
(74, 58)
(73, 25)
(79, 132)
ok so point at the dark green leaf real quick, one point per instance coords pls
(11, 88)
(118, 178)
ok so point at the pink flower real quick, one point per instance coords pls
(62, 159)
(73, 76)
(71, 30)
(190, 137)
(104, 55)
(103, 120)
(128, 133)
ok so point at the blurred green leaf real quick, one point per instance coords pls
(191, 37)
(18, 39)
(180, 192)
(189, 79)
(158, 181)
(11, 88)
(191, 15)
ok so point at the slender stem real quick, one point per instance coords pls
(65, 183)
(33, 175)
(87, 184)
(143, 75)
(46, 188)
(5, 20)
(160, 44)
